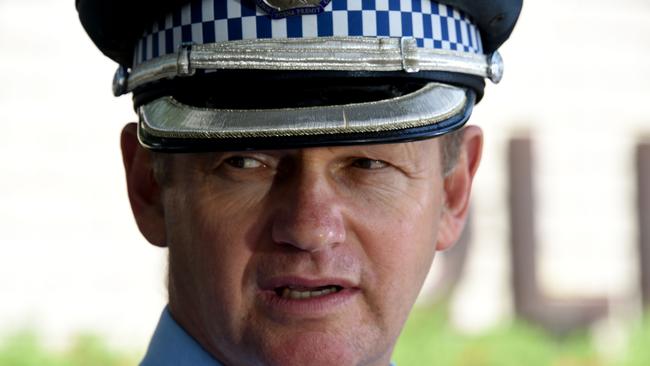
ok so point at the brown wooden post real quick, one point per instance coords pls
(522, 225)
(643, 206)
(559, 316)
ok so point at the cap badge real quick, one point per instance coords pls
(285, 8)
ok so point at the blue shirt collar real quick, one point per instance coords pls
(172, 346)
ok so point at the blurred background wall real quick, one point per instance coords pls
(577, 86)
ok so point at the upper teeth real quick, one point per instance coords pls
(288, 293)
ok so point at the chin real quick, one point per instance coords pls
(317, 349)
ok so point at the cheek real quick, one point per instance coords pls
(405, 247)
(209, 251)
(402, 226)
(222, 236)
(398, 238)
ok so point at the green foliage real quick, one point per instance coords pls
(638, 353)
(25, 349)
(429, 339)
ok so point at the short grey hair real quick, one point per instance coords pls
(450, 149)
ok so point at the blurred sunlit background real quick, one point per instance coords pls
(557, 194)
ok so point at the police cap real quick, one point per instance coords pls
(261, 74)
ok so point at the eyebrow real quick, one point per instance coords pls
(404, 151)
(410, 150)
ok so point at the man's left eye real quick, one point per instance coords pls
(244, 162)
(365, 163)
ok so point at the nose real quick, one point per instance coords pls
(309, 217)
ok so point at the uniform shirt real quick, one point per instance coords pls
(172, 346)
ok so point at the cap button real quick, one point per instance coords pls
(495, 67)
(120, 81)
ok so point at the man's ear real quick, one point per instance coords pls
(457, 187)
(144, 191)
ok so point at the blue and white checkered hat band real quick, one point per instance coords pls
(432, 25)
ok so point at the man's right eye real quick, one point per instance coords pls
(244, 162)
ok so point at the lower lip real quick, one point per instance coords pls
(314, 307)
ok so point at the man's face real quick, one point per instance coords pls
(300, 257)
(295, 257)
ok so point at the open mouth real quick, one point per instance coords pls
(297, 292)
(287, 298)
